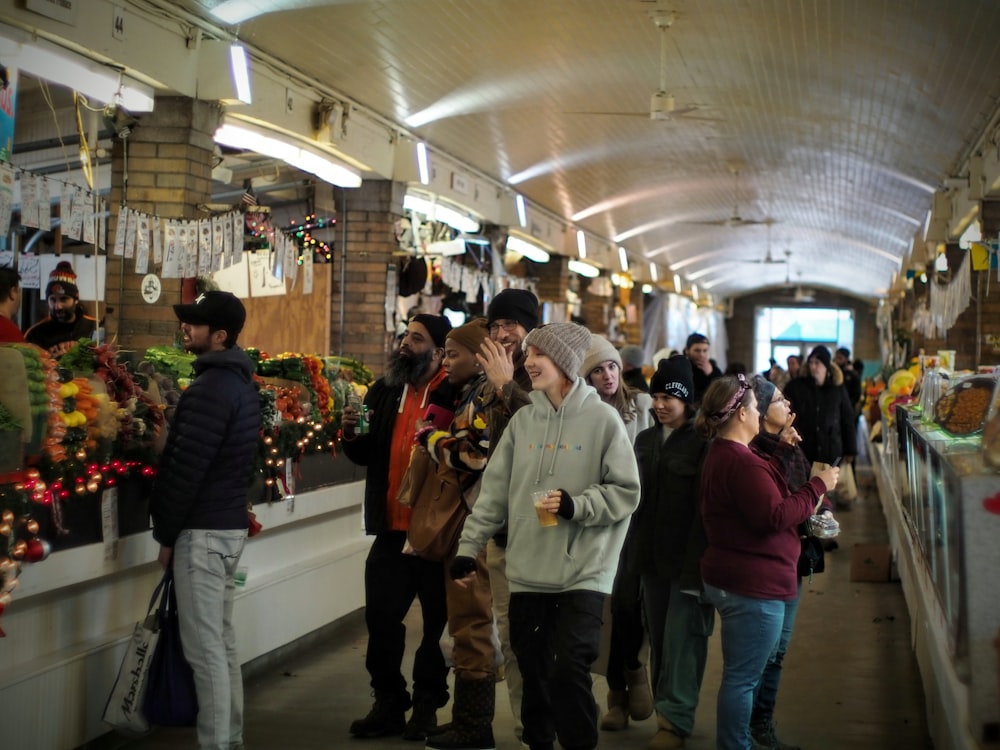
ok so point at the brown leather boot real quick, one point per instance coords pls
(616, 719)
(666, 737)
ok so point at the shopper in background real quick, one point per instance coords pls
(749, 567)
(66, 323)
(10, 301)
(572, 447)
(668, 543)
(510, 316)
(628, 682)
(414, 378)
(705, 370)
(825, 417)
(199, 506)
(852, 379)
(777, 442)
(794, 362)
(633, 360)
(460, 453)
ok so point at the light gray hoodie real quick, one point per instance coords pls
(582, 448)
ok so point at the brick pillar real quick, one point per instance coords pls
(169, 175)
(632, 331)
(365, 246)
(594, 309)
(553, 281)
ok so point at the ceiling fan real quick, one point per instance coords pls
(798, 293)
(662, 104)
(735, 219)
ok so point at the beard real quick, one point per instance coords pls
(407, 367)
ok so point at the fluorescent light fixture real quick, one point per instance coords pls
(423, 165)
(279, 146)
(581, 244)
(529, 250)
(95, 81)
(451, 247)
(647, 288)
(437, 212)
(584, 269)
(694, 292)
(653, 274)
(239, 64)
(522, 210)
(623, 259)
(972, 233)
(677, 283)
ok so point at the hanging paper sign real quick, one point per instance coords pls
(204, 247)
(278, 256)
(157, 241)
(29, 200)
(226, 227)
(131, 233)
(190, 236)
(218, 243)
(307, 273)
(142, 245)
(102, 227)
(44, 205)
(109, 523)
(66, 210)
(88, 223)
(120, 227)
(31, 272)
(171, 250)
(262, 283)
(292, 261)
(6, 197)
(80, 200)
(150, 288)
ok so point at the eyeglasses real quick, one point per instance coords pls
(779, 400)
(508, 326)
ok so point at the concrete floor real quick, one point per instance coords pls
(850, 678)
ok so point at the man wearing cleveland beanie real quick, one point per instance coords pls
(413, 379)
(571, 447)
(665, 550)
(66, 322)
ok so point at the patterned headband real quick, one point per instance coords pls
(733, 404)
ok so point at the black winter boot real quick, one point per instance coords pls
(423, 720)
(471, 725)
(764, 738)
(387, 717)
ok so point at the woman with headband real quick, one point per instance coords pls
(749, 568)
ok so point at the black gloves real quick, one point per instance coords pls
(566, 506)
(461, 566)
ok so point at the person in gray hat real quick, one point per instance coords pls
(633, 360)
(570, 451)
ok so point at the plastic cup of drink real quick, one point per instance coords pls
(240, 577)
(545, 517)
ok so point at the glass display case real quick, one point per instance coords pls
(951, 523)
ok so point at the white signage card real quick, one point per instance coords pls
(307, 273)
(131, 233)
(6, 197)
(89, 218)
(218, 244)
(120, 226)
(262, 282)
(190, 236)
(81, 200)
(31, 271)
(157, 241)
(109, 523)
(226, 227)
(29, 200)
(292, 261)
(235, 278)
(142, 245)
(44, 205)
(66, 210)
(171, 250)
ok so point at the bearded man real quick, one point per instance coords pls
(413, 379)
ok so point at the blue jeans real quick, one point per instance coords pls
(750, 631)
(767, 691)
(204, 562)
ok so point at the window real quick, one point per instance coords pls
(781, 331)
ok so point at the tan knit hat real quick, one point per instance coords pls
(601, 350)
(470, 335)
(564, 343)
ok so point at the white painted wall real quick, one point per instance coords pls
(72, 614)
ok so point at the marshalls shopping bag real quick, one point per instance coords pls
(124, 707)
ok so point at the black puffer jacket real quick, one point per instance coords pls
(667, 535)
(824, 416)
(373, 448)
(208, 461)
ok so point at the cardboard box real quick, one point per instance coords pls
(870, 562)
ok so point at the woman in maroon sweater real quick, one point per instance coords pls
(749, 568)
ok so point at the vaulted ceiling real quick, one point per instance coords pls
(808, 131)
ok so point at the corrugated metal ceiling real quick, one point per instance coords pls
(828, 123)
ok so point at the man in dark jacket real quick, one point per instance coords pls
(824, 415)
(66, 323)
(199, 506)
(393, 578)
(703, 367)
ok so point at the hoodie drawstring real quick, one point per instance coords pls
(555, 445)
(541, 453)
(555, 448)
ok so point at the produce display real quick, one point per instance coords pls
(962, 410)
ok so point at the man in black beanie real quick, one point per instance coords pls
(414, 378)
(510, 317)
(704, 369)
